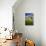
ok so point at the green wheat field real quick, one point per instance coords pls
(28, 20)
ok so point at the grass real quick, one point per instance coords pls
(29, 22)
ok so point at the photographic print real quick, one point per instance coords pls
(28, 18)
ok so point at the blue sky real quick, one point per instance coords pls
(28, 14)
